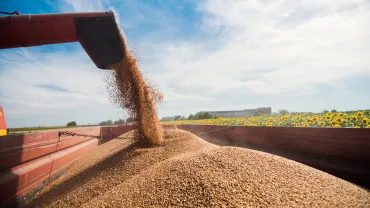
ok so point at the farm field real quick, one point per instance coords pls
(359, 119)
(36, 129)
(39, 128)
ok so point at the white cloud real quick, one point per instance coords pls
(276, 46)
(84, 5)
(56, 68)
(28, 81)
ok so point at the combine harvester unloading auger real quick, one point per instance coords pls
(97, 33)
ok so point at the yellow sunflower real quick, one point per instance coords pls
(338, 120)
(305, 124)
(280, 124)
(360, 114)
(315, 119)
(365, 121)
(354, 118)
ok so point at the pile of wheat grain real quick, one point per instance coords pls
(186, 171)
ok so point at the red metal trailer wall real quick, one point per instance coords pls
(29, 162)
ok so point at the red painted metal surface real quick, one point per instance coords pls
(17, 149)
(66, 156)
(344, 142)
(67, 141)
(21, 179)
(40, 29)
(17, 158)
(10, 141)
(168, 127)
(31, 160)
(350, 144)
(119, 130)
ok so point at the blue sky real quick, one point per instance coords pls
(203, 55)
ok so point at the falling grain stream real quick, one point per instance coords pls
(130, 91)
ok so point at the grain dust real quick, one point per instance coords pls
(187, 171)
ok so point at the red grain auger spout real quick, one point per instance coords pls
(97, 32)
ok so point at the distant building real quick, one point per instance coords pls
(242, 113)
(168, 118)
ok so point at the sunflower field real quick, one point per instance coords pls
(360, 119)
